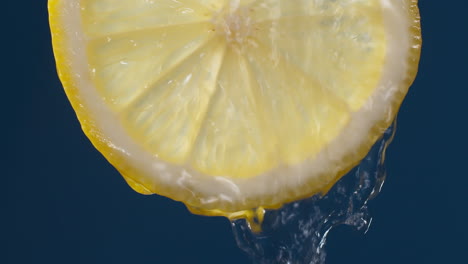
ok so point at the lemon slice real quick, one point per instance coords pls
(228, 105)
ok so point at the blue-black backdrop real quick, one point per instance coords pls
(66, 204)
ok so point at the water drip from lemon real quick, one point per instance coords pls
(297, 232)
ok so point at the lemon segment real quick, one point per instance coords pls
(302, 114)
(125, 66)
(236, 138)
(166, 118)
(342, 52)
(109, 17)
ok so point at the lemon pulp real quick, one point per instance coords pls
(233, 104)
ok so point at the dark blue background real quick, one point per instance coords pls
(66, 204)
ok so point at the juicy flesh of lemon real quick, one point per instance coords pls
(234, 88)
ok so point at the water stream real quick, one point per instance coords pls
(296, 233)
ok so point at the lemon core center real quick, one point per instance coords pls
(234, 23)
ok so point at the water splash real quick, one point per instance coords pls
(296, 233)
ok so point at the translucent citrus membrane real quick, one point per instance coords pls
(234, 88)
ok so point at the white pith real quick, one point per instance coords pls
(213, 191)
